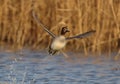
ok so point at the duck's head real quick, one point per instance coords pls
(64, 30)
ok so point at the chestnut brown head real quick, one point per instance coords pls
(64, 30)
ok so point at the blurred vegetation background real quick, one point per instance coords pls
(18, 28)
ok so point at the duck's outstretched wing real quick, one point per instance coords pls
(43, 26)
(80, 36)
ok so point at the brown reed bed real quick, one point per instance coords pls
(18, 28)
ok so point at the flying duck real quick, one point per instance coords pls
(59, 42)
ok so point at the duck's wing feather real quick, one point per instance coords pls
(43, 26)
(80, 36)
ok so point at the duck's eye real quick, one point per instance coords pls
(65, 29)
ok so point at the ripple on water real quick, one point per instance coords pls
(39, 68)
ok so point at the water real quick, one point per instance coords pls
(31, 67)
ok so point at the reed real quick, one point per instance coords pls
(18, 28)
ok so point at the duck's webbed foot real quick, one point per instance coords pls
(52, 52)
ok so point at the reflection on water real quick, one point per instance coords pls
(40, 68)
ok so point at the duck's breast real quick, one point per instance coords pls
(58, 43)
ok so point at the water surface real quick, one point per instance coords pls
(30, 67)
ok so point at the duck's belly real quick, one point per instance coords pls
(57, 45)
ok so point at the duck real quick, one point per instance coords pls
(59, 42)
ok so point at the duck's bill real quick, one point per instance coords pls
(68, 30)
(80, 36)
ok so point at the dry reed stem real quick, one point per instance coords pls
(18, 29)
(117, 24)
